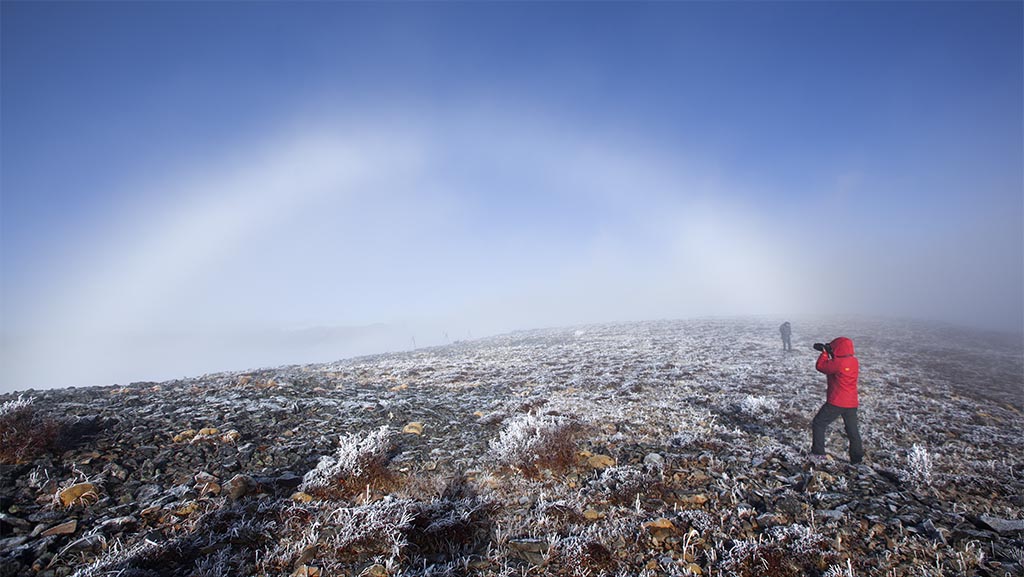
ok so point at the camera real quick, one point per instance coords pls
(825, 347)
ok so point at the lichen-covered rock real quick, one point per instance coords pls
(184, 436)
(240, 486)
(660, 523)
(600, 461)
(79, 493)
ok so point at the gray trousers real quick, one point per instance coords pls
(824, 418)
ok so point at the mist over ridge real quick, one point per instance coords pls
(170, 356)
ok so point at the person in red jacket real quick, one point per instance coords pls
(841, 369)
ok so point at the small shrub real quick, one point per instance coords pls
(369, 531)
(450, 526)
(621, 484)
(919, 467)
(758, 407)
(216, 543)
(841, 570)
(215, 565)
(406, 535)
(338, 538)
(583, 557)
(695, 429)
(559, 513)
(698, 520)
(530, 443)
(15, 405)
(24, 434)
(358, 463)
(119, 559)
(791, 551)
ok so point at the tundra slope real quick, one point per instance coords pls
(659, 448)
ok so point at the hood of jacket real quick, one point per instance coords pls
(842, 347)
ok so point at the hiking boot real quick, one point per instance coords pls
(817, 460)
(860, 468)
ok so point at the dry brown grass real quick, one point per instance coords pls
(559, 453)
(374, 476)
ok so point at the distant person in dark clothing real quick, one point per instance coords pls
(842, 370)
(787, 332)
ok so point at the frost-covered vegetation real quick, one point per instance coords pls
(358, 462)
(15, 405)
(669, 448)
(530, 444)
(919, 467)
(24, 433)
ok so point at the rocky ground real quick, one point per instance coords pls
(665, 448)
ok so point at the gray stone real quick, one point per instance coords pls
(789, 505)
(655, 461)
(927, 528)
(12, 542)
(531, 550)
(771, 520)
(15, 521)
(965, 533)
(829, 514)
(93, 543)
(1002, 525)
(147, 493)
(116, 471)
(119, 524)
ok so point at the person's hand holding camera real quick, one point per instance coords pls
(826, 347)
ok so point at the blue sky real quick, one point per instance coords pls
(205, 170)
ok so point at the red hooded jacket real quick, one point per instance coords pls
(842, 373)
